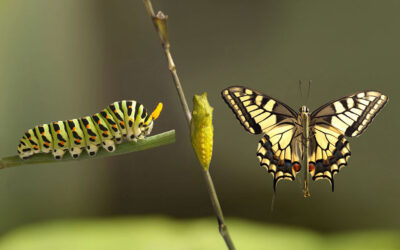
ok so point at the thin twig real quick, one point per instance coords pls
(160, 24)
(218, 210)
(123, 148)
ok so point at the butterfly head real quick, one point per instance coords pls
(304, 109)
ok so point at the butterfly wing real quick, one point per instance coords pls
(351, 114)
(330, 151)
(347, 116)
(255, 110)
(259, 113)
(278, 151)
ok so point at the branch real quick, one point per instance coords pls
(160, 24)
(123, 148)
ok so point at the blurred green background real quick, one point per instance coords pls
(68, 58)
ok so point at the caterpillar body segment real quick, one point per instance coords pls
(106, 135)
(116, 112)
(76, 137)
(32, 137)
(45, 138)
(112, 125)
(121, 120)
(92, 137)
(60, 139)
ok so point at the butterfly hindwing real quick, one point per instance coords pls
(256, 111)
(330, 151)
(351, 114)
(278, 152)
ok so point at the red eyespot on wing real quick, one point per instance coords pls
(311, 167)
(296, 167)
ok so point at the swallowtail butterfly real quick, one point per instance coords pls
(120, 120)
(292, 140)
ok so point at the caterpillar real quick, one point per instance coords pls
(121, 120)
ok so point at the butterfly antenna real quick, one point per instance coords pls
(301, 94)
(308, 91)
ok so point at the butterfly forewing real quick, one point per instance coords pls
(351, 114)
(255, 111)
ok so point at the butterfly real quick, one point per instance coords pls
(292, 140)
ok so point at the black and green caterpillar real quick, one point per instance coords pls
(120, 120)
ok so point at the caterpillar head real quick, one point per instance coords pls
(146, 126)
(24, 149)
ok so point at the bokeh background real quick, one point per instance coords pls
(68, 58)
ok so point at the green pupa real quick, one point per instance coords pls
(202, 130)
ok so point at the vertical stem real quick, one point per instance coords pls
(178, 85)
(223, 229)
(160, 23)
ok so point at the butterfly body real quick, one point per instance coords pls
(314, 142)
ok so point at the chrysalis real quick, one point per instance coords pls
(202, 130)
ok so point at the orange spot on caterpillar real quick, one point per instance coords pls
(130, 107)
(58, 131)
(121, 123)
(98, 122)
(115, 111)
(107, 116)
(114, 126)
(93, 137)
(42, 133)
(62, 143)
(73, 129)
(105, 132)
(47, 144)
(78, 141)
(88, 126)
(36, 147)
(296, 167)
(311, 167)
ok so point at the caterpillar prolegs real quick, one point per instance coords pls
(120, 120)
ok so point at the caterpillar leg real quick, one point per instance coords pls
(109, 145)
(58, 153)
(92, 150)
(75, 152)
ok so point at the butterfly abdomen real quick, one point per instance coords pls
(121, 120)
